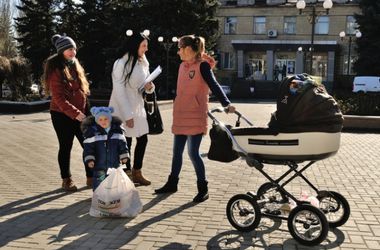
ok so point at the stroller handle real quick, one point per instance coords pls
(222, 109)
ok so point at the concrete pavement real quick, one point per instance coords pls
(36, 214)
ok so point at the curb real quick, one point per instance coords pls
(9, 107)
(368, 123)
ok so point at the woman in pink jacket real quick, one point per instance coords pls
(195, 79)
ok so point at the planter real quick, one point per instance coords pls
(24, 107)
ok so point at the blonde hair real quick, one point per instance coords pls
(57, 61)
(196, 43)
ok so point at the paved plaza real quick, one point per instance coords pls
(36, 214)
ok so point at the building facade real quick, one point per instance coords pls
(270, 39)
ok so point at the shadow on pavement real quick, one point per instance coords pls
(175, 245)
(34, 201)
(234, 239)
(74, 218)
(133, 231)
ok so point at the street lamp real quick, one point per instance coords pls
(342, 35)
(301, 5)
(168, 44)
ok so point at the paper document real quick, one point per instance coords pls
(154, 74)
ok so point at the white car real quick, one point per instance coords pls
(35, 88)
(226, 89)
(366, 84)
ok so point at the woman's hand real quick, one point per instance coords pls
(230, 109)
(130, 123)
(80, 117)
(148, 86)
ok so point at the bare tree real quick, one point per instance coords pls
(7, 41)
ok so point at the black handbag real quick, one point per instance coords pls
(221, 145)
(153, 115)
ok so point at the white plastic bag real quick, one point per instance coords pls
(116, 196)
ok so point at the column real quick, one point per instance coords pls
(299, 62)
(270, 65)
(330, 70)
(240, 63)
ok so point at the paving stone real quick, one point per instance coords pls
(36, 214)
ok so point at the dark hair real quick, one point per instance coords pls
(196, 43)
(131, 46)
(57, 61)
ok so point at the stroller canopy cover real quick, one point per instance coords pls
(303, 105)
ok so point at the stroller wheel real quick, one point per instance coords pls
(308, 225)
(243, 212)
(269, 191)
(335, 207)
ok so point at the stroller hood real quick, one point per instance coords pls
(310, 109)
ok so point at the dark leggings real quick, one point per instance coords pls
(139, 153)
(66, 128)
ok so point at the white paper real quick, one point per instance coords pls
(154, 74)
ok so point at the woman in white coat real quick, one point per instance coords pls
(128, 79)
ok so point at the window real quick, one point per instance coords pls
(322, 25)
(230, 25)
(259, 25)
(290, 25)
(229, 60)
(351, 25)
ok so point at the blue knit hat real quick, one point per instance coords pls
(62, 43)
(102, 111)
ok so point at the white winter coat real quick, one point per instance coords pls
(126, 97)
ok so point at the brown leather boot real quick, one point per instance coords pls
(139, 178)
(129, 173)
(89, 182)
(68, 185)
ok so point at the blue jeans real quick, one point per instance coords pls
(193, 143)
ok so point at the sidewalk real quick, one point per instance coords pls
(36, 214)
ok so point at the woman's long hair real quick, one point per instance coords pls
(131, 47)
(57, 61)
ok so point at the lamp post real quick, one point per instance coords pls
(167, 45)
(342, 35)
(301, 5)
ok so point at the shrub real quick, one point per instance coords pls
(359, 103)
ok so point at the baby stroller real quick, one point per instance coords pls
(305, 127)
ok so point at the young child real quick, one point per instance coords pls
(104, 145)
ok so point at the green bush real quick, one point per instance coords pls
(359, 103)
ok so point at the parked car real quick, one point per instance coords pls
(6, 91)
(35, 88)
(226, 89)
(366, 84)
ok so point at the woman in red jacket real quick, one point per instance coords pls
(64, 78)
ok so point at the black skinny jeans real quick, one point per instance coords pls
(139, 153)
(66, 128)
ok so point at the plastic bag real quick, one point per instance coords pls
(116, 196)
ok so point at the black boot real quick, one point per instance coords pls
(169, 187)
(202, 191)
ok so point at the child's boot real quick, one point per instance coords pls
(202, 191)
(139, 178)
(68, 185)
(169, 187)
(129, 173)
